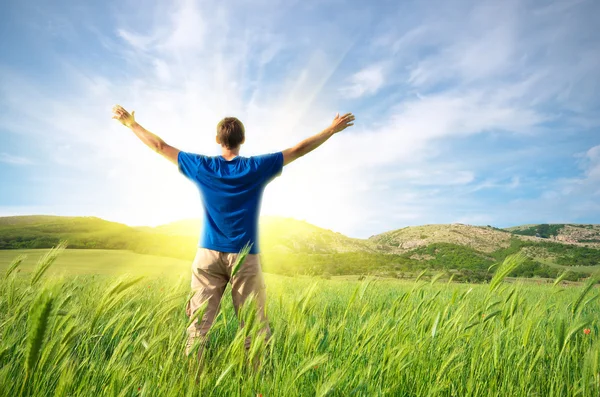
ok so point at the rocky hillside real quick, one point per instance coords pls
(480, 238)
(579, 234)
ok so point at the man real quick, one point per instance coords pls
(231, 188)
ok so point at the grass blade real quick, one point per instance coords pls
(37, 325)
(240, 258)
(510, 263)
(588, 287)
(14, 264)
(47, 260)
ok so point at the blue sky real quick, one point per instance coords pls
(480, 112)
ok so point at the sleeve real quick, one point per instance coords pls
(189, 164)
(269, 166)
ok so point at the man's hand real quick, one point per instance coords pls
(310, 144)
(123, 116)
(341, 123)
(152, 141)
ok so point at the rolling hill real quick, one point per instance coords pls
(580, 234)
(42, 231)
(282, 234)
(484, 239)
(35, 231)
(291, 246)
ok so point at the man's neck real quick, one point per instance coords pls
(229, 154)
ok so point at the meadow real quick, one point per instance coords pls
(96, 262)
(110, 334)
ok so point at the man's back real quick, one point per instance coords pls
(231, 192)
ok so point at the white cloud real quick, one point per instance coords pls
(14, 160)
(482, 48)
(178, 29)
(137, 41)
(187, 28)
(564, 200)
(411, 130)
(162, 70)
(365, 82)
(431, 176)
(593, 163)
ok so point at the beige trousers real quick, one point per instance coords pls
(211, 271)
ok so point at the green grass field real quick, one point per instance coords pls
(101, 262)
(80, 334)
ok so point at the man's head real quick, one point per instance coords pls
(230, 133)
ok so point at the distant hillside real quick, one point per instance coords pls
(79, 223)
(291, 235)
(484, 239)
(283, 235)
(185, 227)
(44, 231)
(291, 246)
(581, 234)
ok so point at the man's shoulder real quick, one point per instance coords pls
(183, 155)
(267, 156)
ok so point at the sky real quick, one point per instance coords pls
(478, 112)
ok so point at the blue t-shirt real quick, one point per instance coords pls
(231, 193)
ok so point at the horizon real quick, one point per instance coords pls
(482, 113)
(200, 220)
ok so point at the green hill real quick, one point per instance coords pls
(44, 231)
(579, 234)
(291, 235)
(282, 234)
(184, 227)
(291, 246)
(483, 239)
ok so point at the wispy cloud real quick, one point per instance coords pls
(14, 160)
(364, 82)
(592, 164)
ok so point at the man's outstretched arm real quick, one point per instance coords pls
(310, 144)
(154, 142)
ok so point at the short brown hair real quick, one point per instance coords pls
(230, 132)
